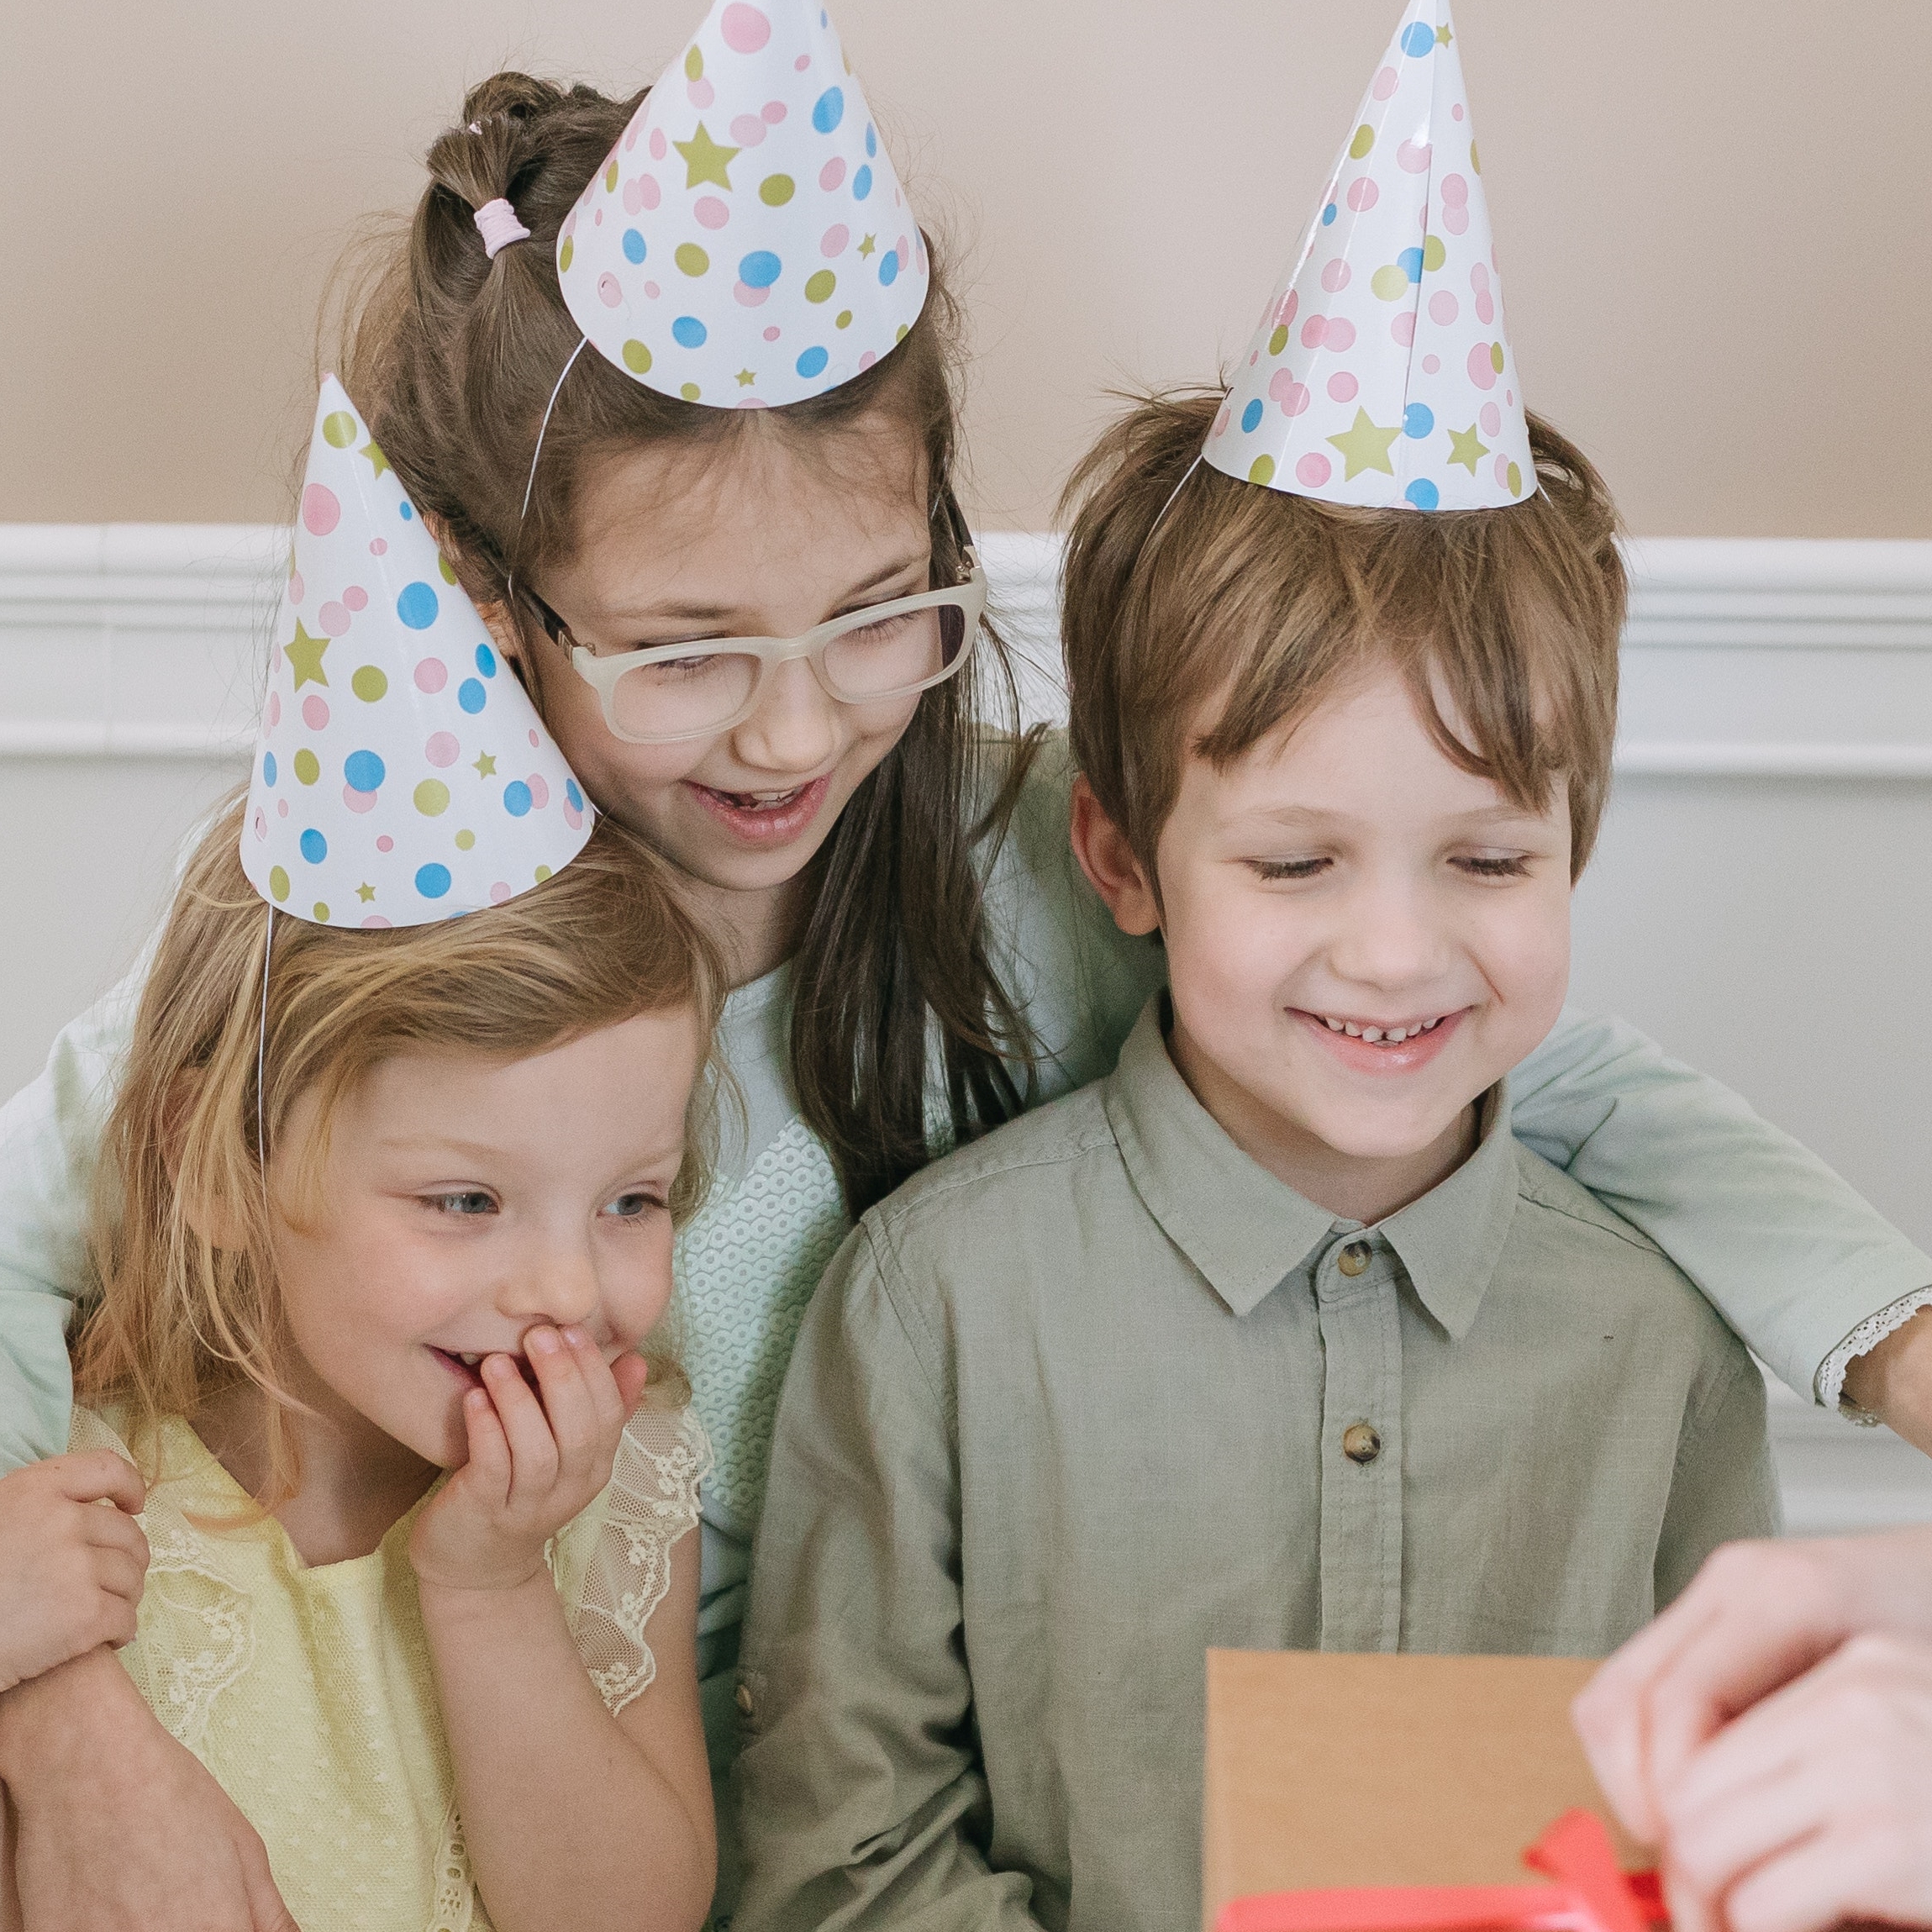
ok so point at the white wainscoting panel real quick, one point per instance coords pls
(1761, 901)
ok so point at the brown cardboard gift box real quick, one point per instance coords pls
(1329, 1770)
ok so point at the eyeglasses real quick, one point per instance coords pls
(669, 692)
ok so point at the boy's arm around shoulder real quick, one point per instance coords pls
(1788, 1254)
(863, 1801)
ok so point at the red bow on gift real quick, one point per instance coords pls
(1591, 1894)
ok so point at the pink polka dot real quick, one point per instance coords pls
(334, 618)
(747, 130)
(539, 790)
(1363, 195)
(1290, 302)
(1479, 277)
(1455, 191)
(384, 844)
(711, 212)
(296, 588)
(1485, 308)
(1220, 427)
(320, 512)
(745, 29)
(1502, 470)
(1314, 331)
(378, 546)
(499, 893)
(358, 801)
(1431, 365)
(1442, 308)
(1292, 396)
(1481, 370)
(260, 823)
(801, 63)
(535, 739)
(1455, 112)
(1491, 419)
(282, 807)
(749, 298)
(610, 291)
(274, 709)
(651, 291)
(1343, 386)
(772, 334)
(868, 360)
(442, 750)
(1335, 275)
(832, 173)
(1509, 397)
(772, 113)
(629, 139)
(649, 193)
(431, 675)
(597, 220)
(572, 816)
(355, 597)
(701, 93)
(1456, 220)
(1340, 335)
(837, 237)
(1385, 83)
(375, 923)
(1254, 357)
(1314, 470)
(1412, 157)
(314, 712)
(658, 149)
(1403, 328)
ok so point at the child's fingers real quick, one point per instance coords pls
(117, 1573)
(630, 1372)
(98, 1475)
(489, 1470)
(568, 1401)
(599, 1380)
(108, 1530)
(533, 1449)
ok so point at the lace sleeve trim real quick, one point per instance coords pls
(1830, 1385)
(613, 1564)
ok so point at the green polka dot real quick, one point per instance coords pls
(775, 190)
(636, 357)
(1389, 282)
(278, 883)
(1473, 162)
(691, 259)
(565, 256)
(1363, 141)
(444, 565)
(820, 287)
(1279, 341)
(690, 392)
(694, 65)
(901, 336)
(1496, 357)
(1515, 480)
(1263, 470)
(432, 797)
(843, 319)
(338, 429)
(465, 840)
(1434, 254)
(543, 873)
(307, 769)
(610, 179)
(369, 684)
(321, 913)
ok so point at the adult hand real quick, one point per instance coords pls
(121, 1828)
(1815, 1806)
(1757, 1615)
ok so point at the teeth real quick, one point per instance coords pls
(1380, 1035)
(469, 1361)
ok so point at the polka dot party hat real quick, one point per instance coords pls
(1381, 373)
(747, 243)
(400, 773)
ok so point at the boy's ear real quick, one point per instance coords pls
(1111, 866)
(202, 1207)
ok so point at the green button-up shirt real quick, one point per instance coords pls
(1071, 1408)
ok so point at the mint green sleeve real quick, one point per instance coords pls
(50, 1146)
(1789, 1255)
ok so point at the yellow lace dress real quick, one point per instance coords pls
(308, 1691)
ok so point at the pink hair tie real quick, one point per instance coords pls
(497, 223)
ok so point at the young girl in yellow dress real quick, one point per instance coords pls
(395, 1210)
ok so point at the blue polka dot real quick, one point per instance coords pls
(634, 248)
(432, 882)
(407, 512)
(1423, 494)
(760, 269)
(364, 771)
(516, 799)
(861, 184)
(1410, 262)
(871, 138)
(1251, 417)
(315, 847)
(1417, 39)
(573, 795)
(1328, 215)
(812, 362)
(688, 332)
(829, 110)
(485, 660)
(889, 267)
(472, 696)
(268, 768)
(417, 606)
(1418, 419)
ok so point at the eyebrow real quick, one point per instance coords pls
(482, 1153)
(718, 612)
(1312, 817)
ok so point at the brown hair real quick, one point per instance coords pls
(605, 938)
(454, 357)
(1263, 603)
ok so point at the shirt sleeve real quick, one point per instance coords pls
(49, 1146)
(1724, 1486)
(863, 1802)
(1790, 1255)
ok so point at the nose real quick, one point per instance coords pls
(1388, 936)
(557, 1282)
(795, 727)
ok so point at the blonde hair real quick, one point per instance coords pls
(1187, 589)
(180, 1317)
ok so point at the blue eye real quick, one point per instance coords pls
(468, 1201)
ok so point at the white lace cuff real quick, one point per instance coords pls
(1829, 1383)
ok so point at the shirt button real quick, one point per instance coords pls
(743, 1699)
(1354, 1258)
(1360, 1443)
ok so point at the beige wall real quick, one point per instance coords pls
(1712, 216)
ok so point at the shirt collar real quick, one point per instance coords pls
(1246, 1231)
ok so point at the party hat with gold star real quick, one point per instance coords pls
(1382, 372)
(402, 774)
(747, 243)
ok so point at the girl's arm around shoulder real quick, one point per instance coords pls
(1789, 1255)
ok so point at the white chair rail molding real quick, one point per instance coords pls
(1762, 900)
